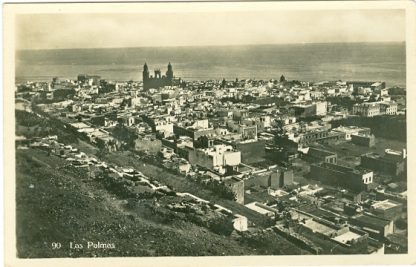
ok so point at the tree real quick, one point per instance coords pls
(282, 79)
(125, 135)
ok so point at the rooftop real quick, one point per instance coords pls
(348, 236)
(319, 227)
(372, 220)
(255, 207)
(319, 152)
(385, 205)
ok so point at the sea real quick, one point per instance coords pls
(303, 62)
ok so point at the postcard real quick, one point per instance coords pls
(209, 133)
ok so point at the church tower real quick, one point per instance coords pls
(145, 72)
(169, 73)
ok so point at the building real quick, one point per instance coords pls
(336, 175)
(387, 209)
(157, 81)
(388, 108)
(367, 140)
(321, 108)
(372, 85)
(371, 109)
(247, 132)
(193, 132)
(395, 155)
(261, 179)
(263, 122)
(303, 111)
(366, 109)
(273, 179)
(252, 151)
(319, 136)
(127, 120)
(284, 178)
(89, 79)
(377, 86)
(160, 123)
(215, 158)
(384, 164)
(319, 155)
(314, 109)
(285, 121)
(376, 227)
(350, 130)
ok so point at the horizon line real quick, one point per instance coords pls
(220, 45)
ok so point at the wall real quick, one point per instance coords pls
(165, 127)
(153, 82)
(275, 180)
(363, 140)
(286, 178)
(338, 176)
(261, 180)
(382, 165)
(315, 155)
(169, 143)
(201, 124)
(232, 158)
(249, 132)
(298, 240)
(321, 108)
(252, 152)
(205, 132)
(392, 213)
(383, 230)
(327, 176)
(196, 157)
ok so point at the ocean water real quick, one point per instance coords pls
(305, 62)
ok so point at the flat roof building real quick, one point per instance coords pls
(383, 164)
(337, 175)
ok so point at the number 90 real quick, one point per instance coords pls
(56, 245)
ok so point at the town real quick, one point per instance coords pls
(313, 165)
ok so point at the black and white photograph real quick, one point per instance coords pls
(209, 130)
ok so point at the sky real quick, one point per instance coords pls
(56, 31)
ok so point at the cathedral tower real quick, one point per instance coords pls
(145, 72)
(169, 73)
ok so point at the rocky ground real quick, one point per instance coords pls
(57, 204)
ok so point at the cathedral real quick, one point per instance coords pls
(157, 80)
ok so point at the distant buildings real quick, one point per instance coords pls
(365, 84)
(89, 79)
